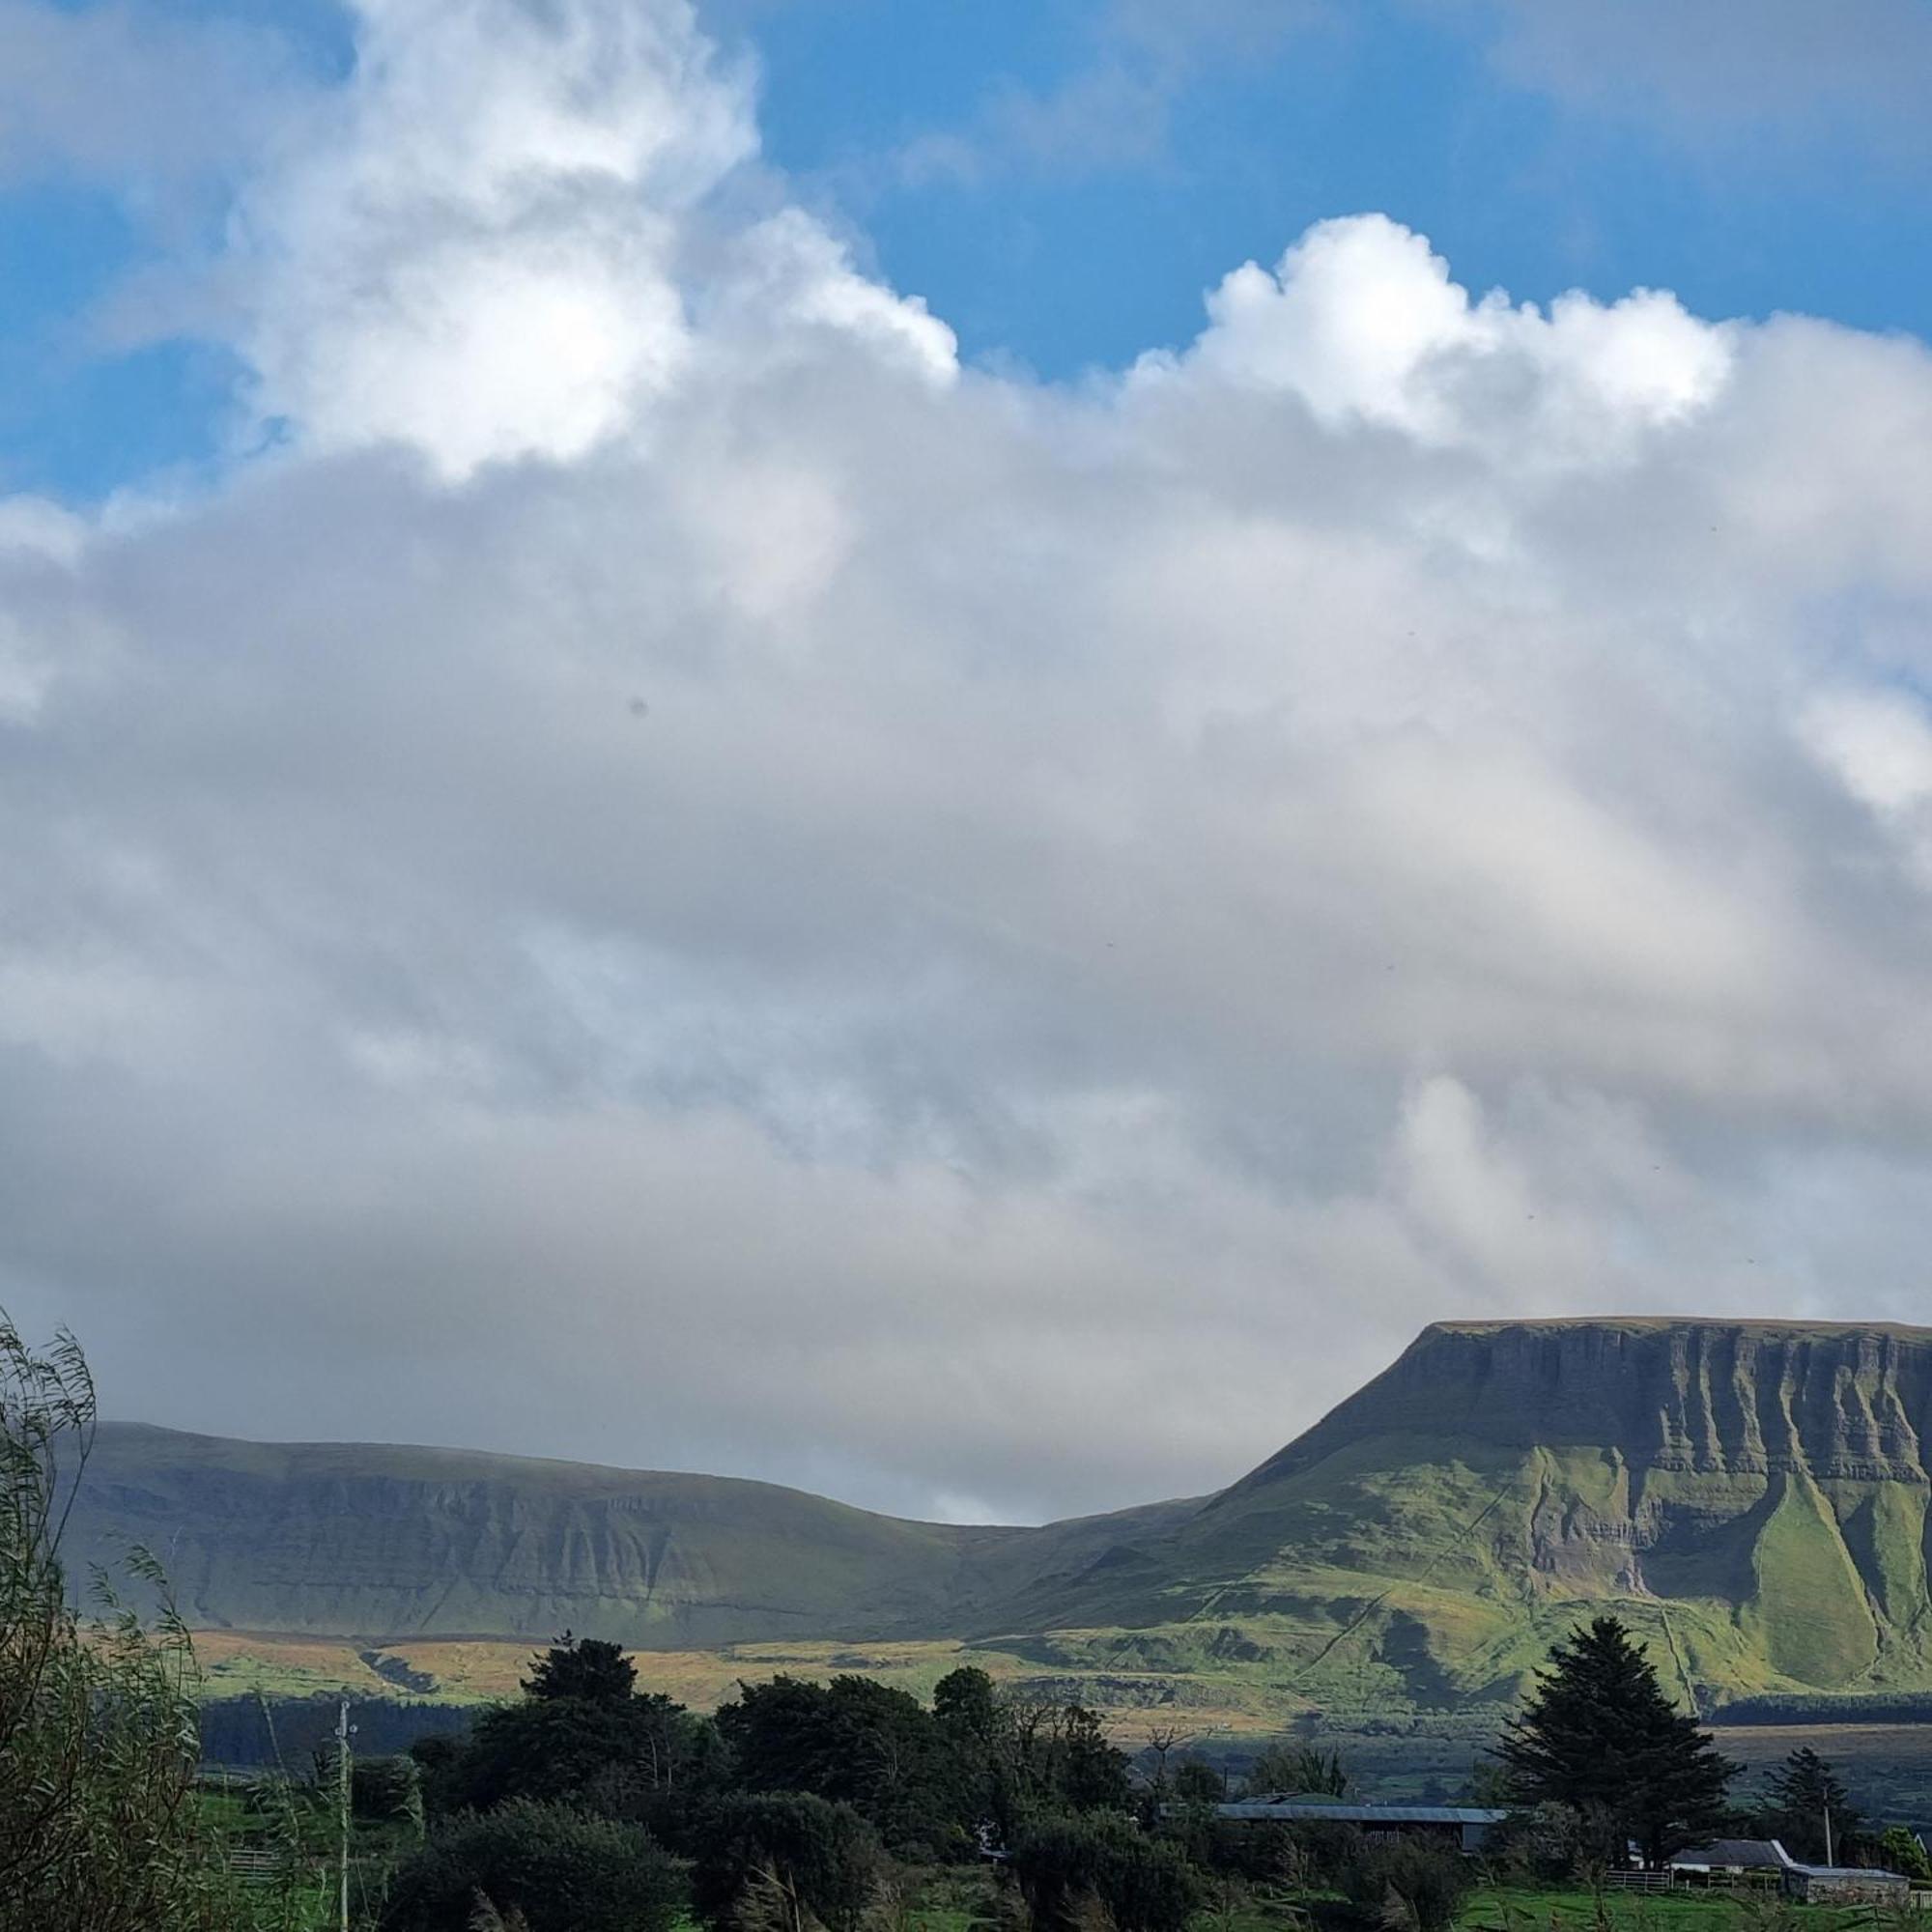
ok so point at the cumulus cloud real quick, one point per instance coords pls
(672, 877)
(1360, 320)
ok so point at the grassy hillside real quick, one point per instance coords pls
(1751, 1497)
(376, 1541)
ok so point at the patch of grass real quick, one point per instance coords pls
(1810, 1604)
(1510, 1909)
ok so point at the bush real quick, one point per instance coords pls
(1545, 1843)
(387, 1789)
(563, 1870)
(785, 1857)
(1900, 1852)
(1415, 1886)
(1066, 1864)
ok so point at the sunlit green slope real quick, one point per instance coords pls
(1752, 1496)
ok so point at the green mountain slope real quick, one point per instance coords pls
(1752, 1496)
(379, 1542)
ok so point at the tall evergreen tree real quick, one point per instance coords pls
(1599, 1735)
(583, 1667)
(1798, 1796)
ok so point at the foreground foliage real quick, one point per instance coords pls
(563, 1870)
(98, 1741)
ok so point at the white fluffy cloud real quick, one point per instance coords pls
(672, 877)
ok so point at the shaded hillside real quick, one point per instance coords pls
(1752, 1495)
(381, 1542)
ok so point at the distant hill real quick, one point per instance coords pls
(1752, 1495)
(377, 1542)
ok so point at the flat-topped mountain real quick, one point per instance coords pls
(373, 1541)
(1750, 1495)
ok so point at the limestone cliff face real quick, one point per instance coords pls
(1727, 1397)
(1757, 1491)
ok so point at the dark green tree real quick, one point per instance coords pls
(966, 1704)
(1066, 1864)
(584, 1667)
(784, 1860)
(1296, 1769)
(647, 1759)
(561, 1869)
(1196, 1781)
(1599, 1735)
(1090, 1772)
(1900, 1851)
(856, 1741)
(1798, 1796)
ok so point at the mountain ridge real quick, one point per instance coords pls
(1753, 1494)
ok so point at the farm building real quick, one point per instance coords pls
(1466, 1828)
(1733, 1861)
(1846, 1885)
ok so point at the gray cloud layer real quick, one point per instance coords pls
(677, 879)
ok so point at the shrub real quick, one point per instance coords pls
(1546, 1843)
(1068, 1864)
(561, 1869)
(1900, 1852)
(387, 1789)
(1415, 1885)
(98, 1739)
(786, 1859)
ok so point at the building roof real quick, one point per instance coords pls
(1742, 1853)
(1335, 1812)
(1853, 1872)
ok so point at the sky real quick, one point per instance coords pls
(945, 750)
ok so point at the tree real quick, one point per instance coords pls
(1090, 1771)
(583, 1667)
(1065, 1865)
(966, 1705)
(1599, 1735)
(98, 1741)
(1197, 1782)
(1900, 1852)
(1296, 1769)
(788, 1861)
(1799, 1796)
(645, 1759)
(857, 1742)
(561, 1869)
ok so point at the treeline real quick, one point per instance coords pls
(1897, 1707)
(269, 1733)
(798, 1803)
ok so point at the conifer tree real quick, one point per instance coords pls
(1800, 1792)
(1598, 1734)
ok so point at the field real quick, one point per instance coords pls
(459, 1670)
(1426, 1757)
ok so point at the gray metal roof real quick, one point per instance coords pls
(1747, 1854)
(1853, 1872)
(1360, 1814)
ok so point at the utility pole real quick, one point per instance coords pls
(342, 1811)
(1827, 1828)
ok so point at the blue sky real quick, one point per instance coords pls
(1063, 178)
